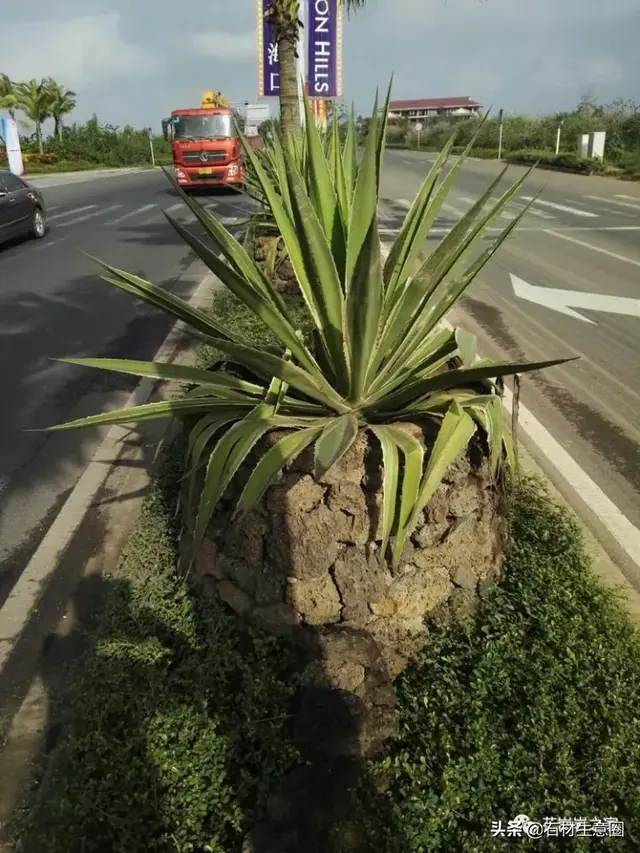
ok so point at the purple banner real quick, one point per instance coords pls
(268, 63)
(324, 57)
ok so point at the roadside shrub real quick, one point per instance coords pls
(564, 161)
(630, 164)
(99, 144)
(30, 158)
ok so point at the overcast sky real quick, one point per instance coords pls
(132, 62)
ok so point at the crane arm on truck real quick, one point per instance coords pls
(214, 99)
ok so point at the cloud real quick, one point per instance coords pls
(78, 52)
(233, 47)
(604, 71)
(531, 56)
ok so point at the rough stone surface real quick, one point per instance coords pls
(317, 601)
(281, 273)
(234, 597)
(309, 554)
(307, 562)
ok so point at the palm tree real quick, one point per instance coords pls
(8, 100)
(62, 102)
(285, 19)
(34, 100)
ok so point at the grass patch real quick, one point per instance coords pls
(237, 318)
(177, 722)
(60, 166)
(530, 709)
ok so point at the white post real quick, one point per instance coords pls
(301, 63)
(153, 156)
(558, 133)
(500, 129)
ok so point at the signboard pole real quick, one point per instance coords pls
(300, 64)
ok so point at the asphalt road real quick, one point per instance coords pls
(583, 236)
(53, 303)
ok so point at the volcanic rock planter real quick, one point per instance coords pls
(306, 561)
(278, 268)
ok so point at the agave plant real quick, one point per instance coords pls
(271, 158)
(380, 355)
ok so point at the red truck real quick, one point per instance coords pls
(205, 146)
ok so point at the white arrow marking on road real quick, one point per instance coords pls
(564, 301)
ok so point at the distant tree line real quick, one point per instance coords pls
(38, 101)
(620, 120)
(71, 145)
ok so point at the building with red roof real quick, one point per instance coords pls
(420, 109)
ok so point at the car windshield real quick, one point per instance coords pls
(202, 127)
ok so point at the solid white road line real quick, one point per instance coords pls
(628, 197)
(540, 214)
(131, 213)
(25, 595)
(40, 246)
(86, 216)
(71, 212)
(450, 208)
(563, 207)
(471, 201)
(635, 206)
(625, 533)
(593, 248)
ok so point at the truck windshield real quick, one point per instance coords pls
(203, 127)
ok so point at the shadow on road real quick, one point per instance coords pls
(32, 325)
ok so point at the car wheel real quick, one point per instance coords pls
(38, 224)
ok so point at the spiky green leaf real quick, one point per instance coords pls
(337, 437)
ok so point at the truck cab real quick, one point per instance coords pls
(205, 146)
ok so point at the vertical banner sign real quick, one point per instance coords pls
(268, 62)
(11, 137)
(324, 29)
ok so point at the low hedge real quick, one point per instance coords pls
(481, 153)
(564, 162)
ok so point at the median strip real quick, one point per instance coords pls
(178, 717)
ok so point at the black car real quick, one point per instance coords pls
(22, 211)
